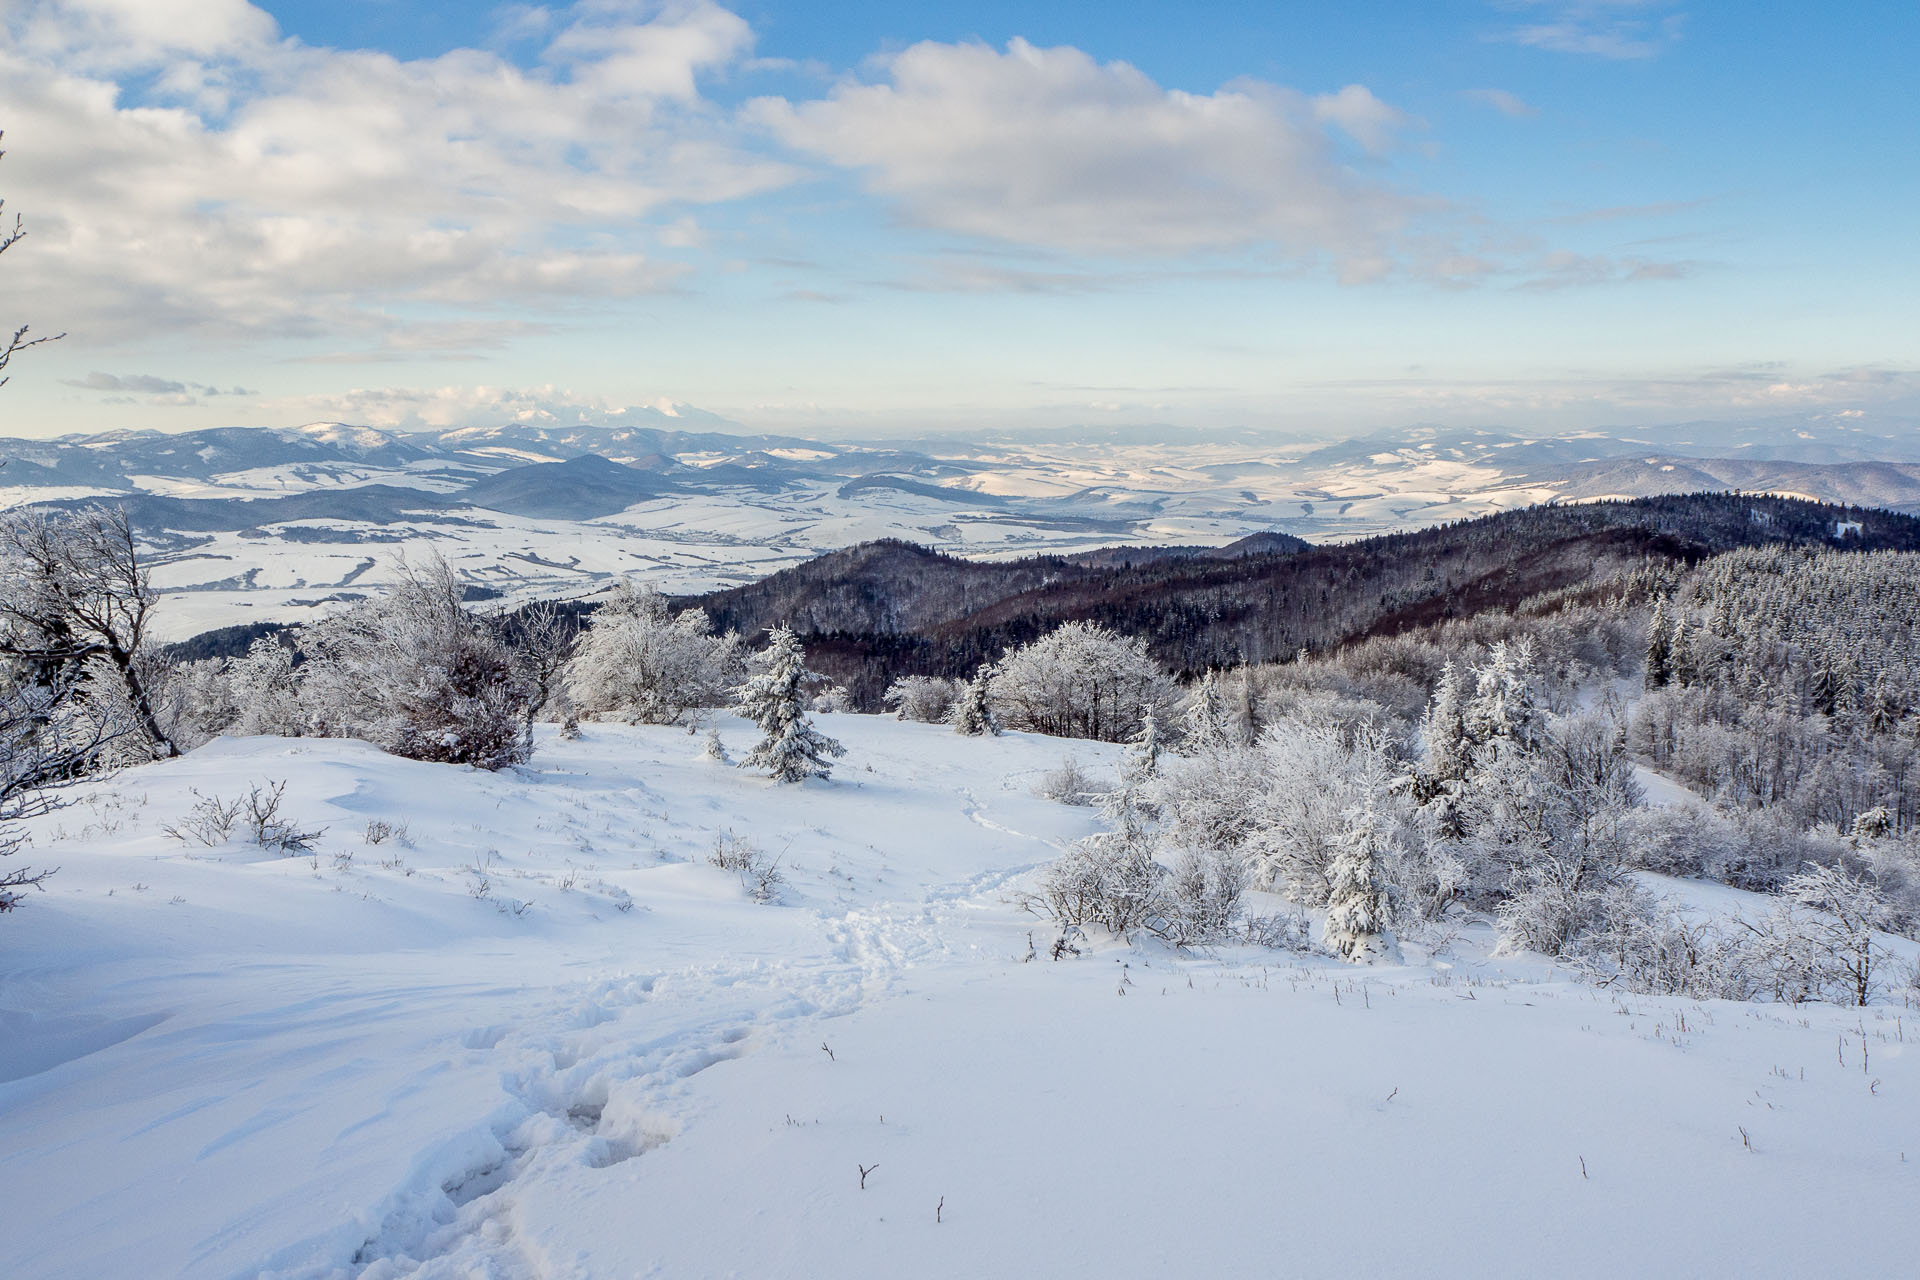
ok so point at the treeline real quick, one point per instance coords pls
(883, 610)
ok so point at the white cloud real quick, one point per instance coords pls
(449, 407)
(1049, 148)
(1507, 104)
(1617, 29)
(263, 186)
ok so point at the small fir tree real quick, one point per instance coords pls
(1659, 647)
(1358, 909)
(973, 710)
(1207, 728)
(790, 748)
(1143, 751)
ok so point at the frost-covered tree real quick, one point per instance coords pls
(1359, 908)
(19, 341)
(641, 663)
(1844, 914)
(1659, 672)
(715, 750)
(1081, 680)
(266, 691)
(972, 713)
(1504, 711)
(75, 594)
(1142, 760)
(417, 674)
(773, 697)
(542, 638)
(1208, 724)
(927, 699)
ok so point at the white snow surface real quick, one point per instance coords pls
(216, 1062)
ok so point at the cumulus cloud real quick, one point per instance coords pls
(451, 407)
(1616, 29)
(184, 165)
(1049, 148)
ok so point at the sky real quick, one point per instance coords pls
(873, 219)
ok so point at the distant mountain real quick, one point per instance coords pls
(872, 613)
(577, 489)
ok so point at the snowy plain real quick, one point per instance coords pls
(537, 1035)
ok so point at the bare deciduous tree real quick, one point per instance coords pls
(19, 341)
(74, 592)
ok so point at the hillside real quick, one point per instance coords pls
(533, 1033)
(873, 612)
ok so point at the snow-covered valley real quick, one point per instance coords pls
(529, 1031)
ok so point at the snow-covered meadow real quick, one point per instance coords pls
(532, 1032)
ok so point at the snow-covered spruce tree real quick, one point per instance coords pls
(1208, 725)
(773, 697)
(973, 708)
(417, 674)
(1505, 707)
(640, 663)
(1143, 750)
(1359, 909)
(1659, 671)
(715, 750)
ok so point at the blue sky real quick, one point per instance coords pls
(1543, 214)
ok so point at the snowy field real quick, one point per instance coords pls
(538, 1035)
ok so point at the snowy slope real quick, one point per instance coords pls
(219, 1063)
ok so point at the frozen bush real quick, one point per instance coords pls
(927, 699)
(759, 874)
(1105, 880)
(1200, 896)
(639, 662)
(1081, 681)
(415, 673)
(1068, 784)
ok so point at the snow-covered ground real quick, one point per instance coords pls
(539, 1036)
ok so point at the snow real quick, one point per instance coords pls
(216, 1062)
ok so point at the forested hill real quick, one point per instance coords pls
(880, 610)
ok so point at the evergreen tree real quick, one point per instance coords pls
(973, 710)
(790, 748)
(1505, 710)
(1143, 751)
(1659, 648)
(1207, 728)
(1358, 908)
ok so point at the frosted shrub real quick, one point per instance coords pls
(1200, 896)
(1068, 784)
(638, 662)
(417, 674)
(1081, 681)
(209, 823)
(1104, 880)
(1313, 775)
(759, 874)
(1206, 801)
(927, 699)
